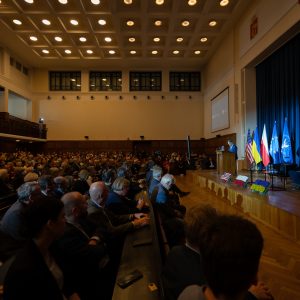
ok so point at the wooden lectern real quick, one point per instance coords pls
(226, 162)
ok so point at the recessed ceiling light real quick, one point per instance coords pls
(197, 52)
(28, 1)
(33, 38)
(158, 23)
(128, 1)
(185, 23)
(101, 22)
(95, 2)
(45, 51)
(89, 51)
(224, 2)
(111, 51)
(159, 2)
(73, 79)
(175, 52)
(63, 1)
(179, 39)
(74, 22)
(17, 22)
(107, 39)
(58, 39)
(203, 39)
(132, 52)
(67, 51)
(82, 39)
(130, 23)
(212, 23)
(46, 22)
(192, 2)
(156, 39)
(154, 52)
(131, 39)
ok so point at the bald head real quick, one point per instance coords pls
(75, 205)
(98, 192)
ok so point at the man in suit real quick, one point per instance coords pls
(82, 256)
(232, 148)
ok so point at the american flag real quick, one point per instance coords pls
(249, 154)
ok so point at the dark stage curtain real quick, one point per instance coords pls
(278, 92)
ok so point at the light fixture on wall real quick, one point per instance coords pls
(63, 97)
(92, 98)
(190, 97)
(78, 97)
(176, 97)
(49, 97)
(162, 97)
(106, 97)
(134, 97)
(120, 97)
(148, 97)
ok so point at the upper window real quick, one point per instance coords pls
(145, 81)
(65, 81)
(105, 81)
(185, 81)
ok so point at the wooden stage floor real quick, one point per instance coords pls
(277, 215)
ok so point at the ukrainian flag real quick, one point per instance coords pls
(256, 147)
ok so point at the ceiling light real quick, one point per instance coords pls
(131, 39)
(185, 23)
(63, 1)
(203, 39)
(17, 22)
(101, 22)
(74, 22)
(156, 39)
(111, 51)
(33, 38)
(159, 2)
(158, 23)
(67, 51)
(192, 2)
(224, 2)
(154, 52)
(212, 23)
(128, 1)
(175, 52)
(197, 52)
(107, 39)
(179, 39)
(27, 1)
(45, 51)
(89, 51)
(82, 39)
(130, 23)
(58, 39)
(73, 79)
(132, 52)
(95, 2)
(46, 22)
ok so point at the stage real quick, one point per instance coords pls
(279, 209)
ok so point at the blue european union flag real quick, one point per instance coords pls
(286, 147)
(274, 146)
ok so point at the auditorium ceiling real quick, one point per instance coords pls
(115, 33)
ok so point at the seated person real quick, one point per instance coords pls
(13, 223)
(5, 189)
(81, 255)
(183, 266)
(34, 274)
(118, 203)
(230, 248)
(82, 185)
(170, 211)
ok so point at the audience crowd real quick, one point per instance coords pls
(63, 236)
